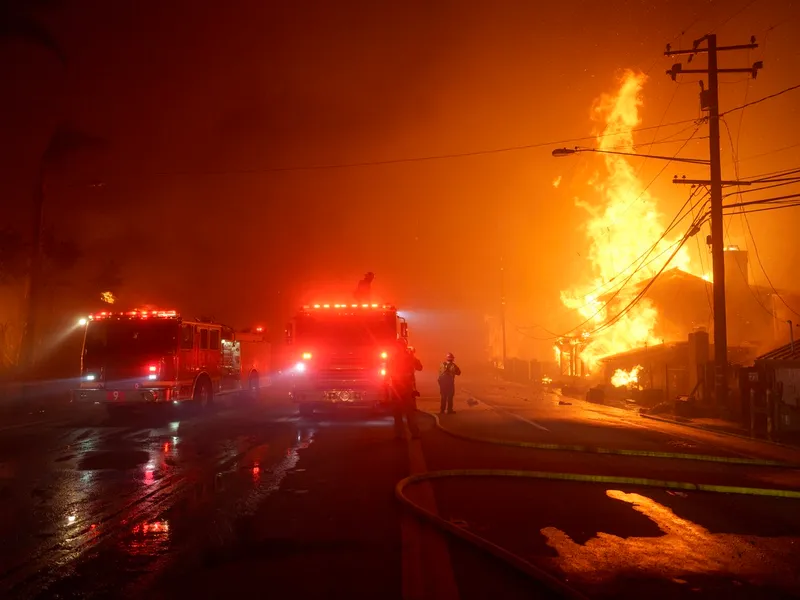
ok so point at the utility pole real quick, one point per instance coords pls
(709, 100)
(503, 309)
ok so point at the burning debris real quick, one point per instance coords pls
(627, 379)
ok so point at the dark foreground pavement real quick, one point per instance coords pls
(252, 500)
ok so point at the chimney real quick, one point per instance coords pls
(738, 297)
(736, 274)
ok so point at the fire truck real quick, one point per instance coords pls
(338, 354)
(156, 356)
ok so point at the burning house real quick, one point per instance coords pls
(681, 363)
(569, 358)
(646, 313)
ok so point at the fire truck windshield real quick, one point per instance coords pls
(134, 337)
(355, 330)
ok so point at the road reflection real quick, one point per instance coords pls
(149, 539)
(686, 549)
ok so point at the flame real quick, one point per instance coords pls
(622, 226)
(557, 181)
(623, 378)
(108, 297)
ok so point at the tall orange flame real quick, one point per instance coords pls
(622, 227)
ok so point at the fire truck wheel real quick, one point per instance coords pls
(203, 395)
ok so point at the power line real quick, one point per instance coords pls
(758, 210)
(676, 220)
(650, 144)
(664, 168)
(413, 159)
(640, 259)
(692, 230)
(763, 270)
(770, 152)
(643, 292)
(750, 190)
(760, 100)
(694, 22)
(744, 212)
(769, 175)
(735, 156)
(702, 265)
(773, 200)
(734, 15)
(661, 120)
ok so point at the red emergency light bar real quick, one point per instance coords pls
(372, 306)
(135, 314)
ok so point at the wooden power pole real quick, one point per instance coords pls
(709, 101)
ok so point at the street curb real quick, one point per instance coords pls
(719, 431)
(598, 450)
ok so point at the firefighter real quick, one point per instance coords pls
(448, 371)
(402, 388)
(363, 291)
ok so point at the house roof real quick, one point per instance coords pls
(635, 352)
(787, 352)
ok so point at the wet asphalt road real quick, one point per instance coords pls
(250, 499)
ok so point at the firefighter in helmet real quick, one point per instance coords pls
(402, 389)
(448, 371)
(364, 289)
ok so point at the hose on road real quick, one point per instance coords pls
(526, 567)
(733, 460)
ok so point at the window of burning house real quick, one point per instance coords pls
(354, 329)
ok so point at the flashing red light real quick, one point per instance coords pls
(384, 355)
(383, 372)
(259, 329)
(164, 314)
(152, 368)
(307, 355)
(328, 305)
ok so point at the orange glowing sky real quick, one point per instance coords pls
(203, 110)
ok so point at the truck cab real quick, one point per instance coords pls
(338, 354)
(142, 356)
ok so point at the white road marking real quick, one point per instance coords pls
(511, 414)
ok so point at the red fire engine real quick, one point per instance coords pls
(338, 354)
(155, 356)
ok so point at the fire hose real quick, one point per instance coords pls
(518, 562)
